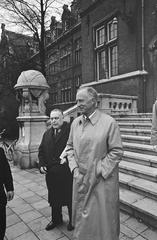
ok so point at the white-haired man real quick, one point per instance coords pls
(94, 150)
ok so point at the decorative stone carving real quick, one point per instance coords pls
(32, 93)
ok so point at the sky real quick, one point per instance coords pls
(15, 28)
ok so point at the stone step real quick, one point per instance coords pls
(138, 185)
(139, 206)
(134, 120)
(138, 132)
(136, 139)
(129, 125)
(138, 170)
(139, 148)
(140, 158)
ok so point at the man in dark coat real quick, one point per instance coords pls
(6, 190)
(58, 175)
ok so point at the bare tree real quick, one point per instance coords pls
(32, 16)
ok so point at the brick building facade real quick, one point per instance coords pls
(117, 48)
(110, 45)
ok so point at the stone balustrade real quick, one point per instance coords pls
(108, 103)
(121, 104)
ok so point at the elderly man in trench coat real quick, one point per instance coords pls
(94, 150)
(154, 127)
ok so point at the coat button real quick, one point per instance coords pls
(85, 212)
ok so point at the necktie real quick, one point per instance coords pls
(56, 132)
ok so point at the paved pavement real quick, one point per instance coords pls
(28, 213)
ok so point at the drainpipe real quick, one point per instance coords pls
(142, 55)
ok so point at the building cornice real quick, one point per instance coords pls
(65, 34)
(117, 78)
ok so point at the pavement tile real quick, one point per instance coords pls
(20, 189)
(150, 234)
(41, 204)
(45, 211)
(26, 194)
(33, 199)
(64, 238)
(139, 238)
(9, 211)
(124, 217)
(25, 181)
(27, 236)
(16, 230)
(63, 229)
(121, 235)
(22, 208)
(127, 231)
(37, 188)
(45, 197)
(42, 192)
(29, 212)
(47, 235)
(12, 219)
(38, 224)
(126, 238)
(31, 185)
(135, 225)
(16, 202)
(29, 216)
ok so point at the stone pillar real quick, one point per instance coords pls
(32, 93)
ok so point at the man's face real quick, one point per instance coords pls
(56, 119)
(85, 102)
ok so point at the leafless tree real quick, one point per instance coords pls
(32, 16)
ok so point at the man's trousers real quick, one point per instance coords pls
(2, 221)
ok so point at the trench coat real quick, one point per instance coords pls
(93, 144)
(154, 125)
(58, 177)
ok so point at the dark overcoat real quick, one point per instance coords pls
(58, 177)
(6, 180)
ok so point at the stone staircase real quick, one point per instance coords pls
(138, 168)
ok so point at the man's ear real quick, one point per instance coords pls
(94, 101)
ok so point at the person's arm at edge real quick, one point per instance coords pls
(153, 140)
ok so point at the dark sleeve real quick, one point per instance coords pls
(41, 153)
(8, 179)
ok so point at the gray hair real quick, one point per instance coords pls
(91, 91)
(56, 110)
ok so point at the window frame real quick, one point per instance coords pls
(106, 46)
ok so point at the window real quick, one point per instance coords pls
(66, 92)
(100, 36)
(53, 63)
(65, 56)
(114, 60)
(106, 49)
(54, 92)
(77, 51)
(112, 30)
